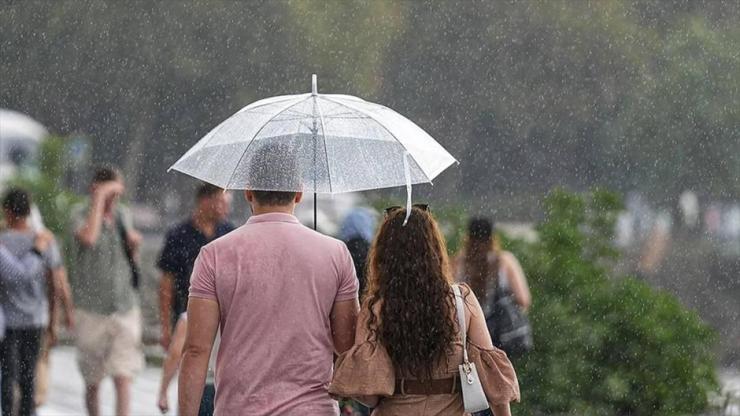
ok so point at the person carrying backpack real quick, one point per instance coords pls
(498, 281)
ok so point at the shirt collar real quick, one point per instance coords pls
(273, 217)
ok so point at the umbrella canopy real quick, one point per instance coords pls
(321, 143)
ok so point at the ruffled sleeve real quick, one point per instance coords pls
(364, 370)
(496, 374)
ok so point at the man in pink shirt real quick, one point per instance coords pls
(285, 298)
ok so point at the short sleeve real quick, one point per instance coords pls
(203, 279)
(169, 259)
(52, 256)
(78, 216)
(348, 283)
(126, 217)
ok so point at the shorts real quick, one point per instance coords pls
(108, 345)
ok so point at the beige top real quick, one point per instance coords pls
(366, 370)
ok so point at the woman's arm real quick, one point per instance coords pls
(501, 409)
(477, 329)
(361, 335)
(517, 280)
(479, 335)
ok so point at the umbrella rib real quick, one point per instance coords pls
(221, 125)
(384, 128)
(254, 138)
(323, 133)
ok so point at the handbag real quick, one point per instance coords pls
(508, 324)
(474, 399)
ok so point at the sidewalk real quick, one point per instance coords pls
(66, 389)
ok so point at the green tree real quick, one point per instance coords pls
(605, 344)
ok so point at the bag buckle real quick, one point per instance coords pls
(468, 373)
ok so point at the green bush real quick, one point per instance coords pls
(604, 345)
(54, 201)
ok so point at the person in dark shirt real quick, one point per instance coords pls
(181, 247)
(357, 232)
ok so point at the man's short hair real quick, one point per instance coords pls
(18, 202)
(274, 198)
(207, 190)
(273, 166)
(106, 174)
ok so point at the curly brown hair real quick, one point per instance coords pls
(409, 279)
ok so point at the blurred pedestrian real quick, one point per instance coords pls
(16, 272)
(104, 283)
(408, 342)
(285, 297)
(182, 245)
(357, 232)
(485, 266)
(26, 302)
(172, 362)
(498, 281)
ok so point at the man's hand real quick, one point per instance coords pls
(163, 403)
(42, 241)
(133, 239)
(108, 189)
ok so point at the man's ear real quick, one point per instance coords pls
(298, 197)
(249, 196)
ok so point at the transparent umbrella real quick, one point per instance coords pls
(320, 143)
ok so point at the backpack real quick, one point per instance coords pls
(508, 324)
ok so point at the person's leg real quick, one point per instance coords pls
(42, 372)
(92, 345)
(8, 349)
(123, 395)
(208, 401)
(126, 358)
(91, 399)
(30, 342)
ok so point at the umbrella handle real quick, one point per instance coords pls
(407, 174)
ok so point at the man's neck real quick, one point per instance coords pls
(203, 222)
(260, 210)
(18, 224)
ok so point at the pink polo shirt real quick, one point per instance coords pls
(275, 282)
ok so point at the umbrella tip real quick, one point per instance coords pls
(314, 88)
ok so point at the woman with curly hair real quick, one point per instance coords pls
(407, 344)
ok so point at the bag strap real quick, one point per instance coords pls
(461, 320)
(127, 251)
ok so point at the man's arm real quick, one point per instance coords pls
(171, 363)
(63, 294)
(51, 290)
(166, 285)
(89, 232)
(203, 319)
(343, 323)
(23, 268)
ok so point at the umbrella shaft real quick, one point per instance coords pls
(315, 223)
